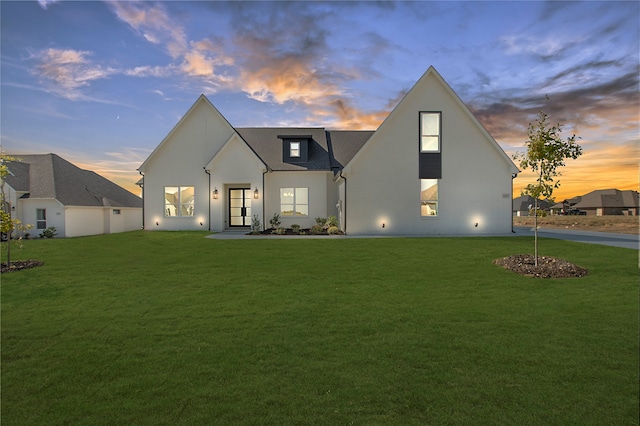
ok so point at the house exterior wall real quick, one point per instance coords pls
(180, 161)
(81, 221)
(235, 166)
(383, 181)
(321, 189)
(55, 214)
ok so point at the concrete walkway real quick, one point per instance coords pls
(604, 238)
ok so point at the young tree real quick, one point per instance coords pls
(7, 223)
(545, 153)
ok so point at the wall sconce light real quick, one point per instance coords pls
(215, 194)
(383, 225)
(200, 223)
(256, 194)
(476, 224)
(157, 223)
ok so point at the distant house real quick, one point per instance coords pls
(523, 205)
(609, 202)
(46, 190)
(430, 168)
(565, 206)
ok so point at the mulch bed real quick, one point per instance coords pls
(19, 265)
(548, 267)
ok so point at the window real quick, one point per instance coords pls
(430, 132)
(294, 149)
(178, 201)
(116, 211)
(428, 197)
(294, 201)
(41, 218)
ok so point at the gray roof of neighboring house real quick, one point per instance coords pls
(50, 176)
(329, 149)
(523, 202)
(609, 198)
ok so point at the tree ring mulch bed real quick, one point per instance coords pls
(19, 265)
(548, 267)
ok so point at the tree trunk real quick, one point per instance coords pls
(535, 231)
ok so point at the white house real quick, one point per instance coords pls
(430, 168)
(48, 191)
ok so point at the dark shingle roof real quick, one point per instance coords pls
(523, 202)
(18, 176)
(50, 176)
(347, 143)
(265, 143)
(329, 150)
(609, 198)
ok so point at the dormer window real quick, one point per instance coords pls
(294, 149)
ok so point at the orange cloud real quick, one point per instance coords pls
(600, 167)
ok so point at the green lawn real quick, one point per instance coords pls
(172, 328)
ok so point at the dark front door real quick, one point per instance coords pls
(239, 206)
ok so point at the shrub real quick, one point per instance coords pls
(275, 221)
(316, 229)
(331, 222)
(295, 228)
(280, 231)
(321, 221)
(334, 230)
(50, 232)
(255, 225)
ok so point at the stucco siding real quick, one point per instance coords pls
(316, 182)
(384, 185)
(235, 166)
(180, 161)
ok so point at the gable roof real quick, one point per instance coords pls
(609, 198)
(50, 176)
(431, 72)
(202, 100)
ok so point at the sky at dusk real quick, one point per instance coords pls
(102, 83)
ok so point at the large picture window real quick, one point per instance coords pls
(430, 132)
(178, 201)
(294, 201)
(429, 197)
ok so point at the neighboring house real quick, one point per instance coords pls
(430, 168)
(523, 205)
(46, 190)
(565, 206)
(609, 202)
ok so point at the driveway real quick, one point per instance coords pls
(604, 238)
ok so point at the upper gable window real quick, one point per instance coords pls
(430, 131)
(294, 149)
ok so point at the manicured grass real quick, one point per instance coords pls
(173, 328)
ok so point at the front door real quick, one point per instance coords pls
(239, 206)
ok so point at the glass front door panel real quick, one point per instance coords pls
(240, 207)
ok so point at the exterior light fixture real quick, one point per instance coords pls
(256, 194)
(200, 223)
(383, 225)
(157, 223)
(476, 224)
(215, 194)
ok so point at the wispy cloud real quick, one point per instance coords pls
(69, 70)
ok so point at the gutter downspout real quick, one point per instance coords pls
(143, 198)
(209, 197)
(344, 207)
(263, 199)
